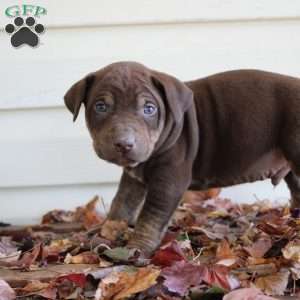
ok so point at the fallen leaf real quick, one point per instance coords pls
(224, 254)
(292, 251)
(52, 251)
(218, 275)
(58, 216)
(168, 254)
(8, 250)
(181, 276)
(79, 279)
(120, 254)
(6, 292)
(247, 294)
(88, 214)
(38, 288)
(195, 197)
(125, 284)
(142, 280)
(86, 257)
(274, 284)
(104, 272)
(28, 258)
(259, 248)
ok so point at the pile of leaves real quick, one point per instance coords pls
(213, 249)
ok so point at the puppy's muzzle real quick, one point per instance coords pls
(124, 140)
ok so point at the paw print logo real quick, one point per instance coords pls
(27, 33)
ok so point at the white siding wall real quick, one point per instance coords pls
(47, 161)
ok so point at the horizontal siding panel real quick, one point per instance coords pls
(67, 13)
(44, 147)
(33, 202)
(40, 77)
(27, 205)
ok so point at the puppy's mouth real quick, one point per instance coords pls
(125, 162)
(122, 160)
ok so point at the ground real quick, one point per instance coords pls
(214, 249)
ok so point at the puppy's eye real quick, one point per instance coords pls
(149, 109)
(100, 107)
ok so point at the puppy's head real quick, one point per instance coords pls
(127, 106)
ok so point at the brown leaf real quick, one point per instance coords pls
(38, 288)
(292, 251)
(58, 216)
(197, 196)
(86, 257)
(247, 294)
(225, 255)
(88, 214)
(26, 260)
(29, 258)
(259, 248)
(274, 284)
(6, 292)
(224, 251)
(51, 252)
(125, 284)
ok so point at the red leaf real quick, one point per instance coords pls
(182, 275)
(77, 278)
(217, 275)
(168, 254)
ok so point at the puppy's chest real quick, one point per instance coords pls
(136, 174)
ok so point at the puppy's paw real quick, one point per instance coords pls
(115, 230)
(146, 248)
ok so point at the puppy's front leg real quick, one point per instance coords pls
(128, 200)
(165, 189)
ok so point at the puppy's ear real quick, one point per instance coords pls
(77, 94)
(177, 95)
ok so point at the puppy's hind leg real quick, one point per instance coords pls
(290, 145)
(293, 183)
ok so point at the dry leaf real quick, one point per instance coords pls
(125, 284)
(29, 258)
(195, 197)
(274, 284)
(181, 276)
(38, 288)
(247, 294)
(292, 251)
(168, 254)
(89, 214)
(8, 250)
(58, 216)
(259, 248)
(86, 257)
(6, 292)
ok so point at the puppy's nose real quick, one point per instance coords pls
(123, 146)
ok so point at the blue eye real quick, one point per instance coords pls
(100, 107)
(149, 109)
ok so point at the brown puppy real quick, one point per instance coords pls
(169, 136)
